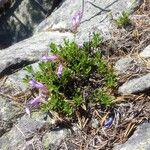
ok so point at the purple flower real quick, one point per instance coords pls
(36, 84)
(36, 101)
(77, 19)
(51, 57)
(59, 70)
(108, 122)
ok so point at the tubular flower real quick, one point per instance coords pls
(51, 57)
(59, 70)
(36, 84)
(108, 122)
(35, 102)
(76, 20)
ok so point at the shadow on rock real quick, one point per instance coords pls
(19, 21)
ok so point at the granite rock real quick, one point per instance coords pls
(9, 112)
(140, 140)
(146, 52)
(97, 17)
(136, 85)
(13, 84)
(52, 139)
(28, 51)
(30, 133)
(124, 64)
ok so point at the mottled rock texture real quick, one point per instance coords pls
(29, 51)
(136, 85)
(26, 130)
(146, 52)
(139, 141)
(124, 64)
(97, 16)
(18, 21)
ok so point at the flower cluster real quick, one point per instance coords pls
(65, 80)
(43, 90)
(55, 58)
(35, 102)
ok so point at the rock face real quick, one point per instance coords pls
(96, 16)
(19, 21)
(9, 112)
(13, 84)
(124, 64)
(26, 131)
(139, 141)
(136, 85)
(29, 51)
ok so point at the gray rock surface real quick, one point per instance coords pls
(9, 112)
(27, 132)
(19, 21)
(52, 139)
(139, 141)
(146, 52)
(13, 84)
(124, 64)
(136, 85)
(29, 51)
(96, 16)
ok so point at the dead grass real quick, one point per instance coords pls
(128, 113)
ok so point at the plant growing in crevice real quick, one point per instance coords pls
(72, 78)
(123, 20)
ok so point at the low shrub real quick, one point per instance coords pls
(72, 78)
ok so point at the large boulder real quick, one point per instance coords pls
(56, 27)
(29, 51)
